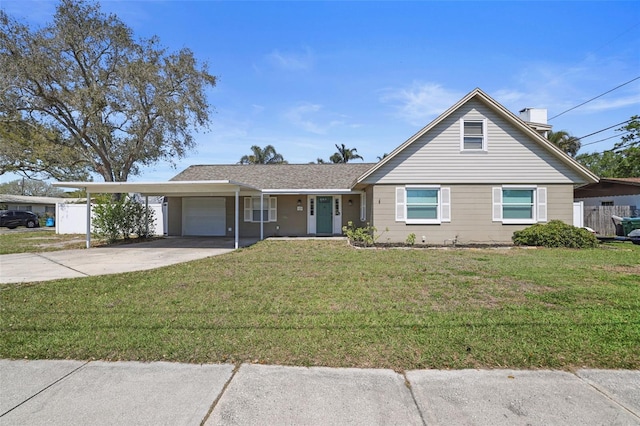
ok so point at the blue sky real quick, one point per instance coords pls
(304, 76)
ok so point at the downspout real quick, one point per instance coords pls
(237, 218)
(88, 238)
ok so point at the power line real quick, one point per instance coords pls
(605, 139)
(602, 130)
(617, 37)
(592, 99)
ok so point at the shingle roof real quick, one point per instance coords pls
(27, 199)
(280, 176)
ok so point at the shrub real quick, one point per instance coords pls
(411, 239)
(108, 218)
(359, 236)
(114, 219)
(555, 234)
(137, 220)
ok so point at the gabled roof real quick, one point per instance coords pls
(507, 115)
(280, 177)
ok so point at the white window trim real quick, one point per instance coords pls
(311, 211)
(444, 205)
(270, 204)
(485, 135)
(539, 208)
(363, 207)
(337, 214)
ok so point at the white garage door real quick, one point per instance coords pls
(204, 216)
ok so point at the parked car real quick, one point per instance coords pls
(14, 218)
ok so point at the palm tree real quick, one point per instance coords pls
(268, 155)
(344, 155)
(563, 140)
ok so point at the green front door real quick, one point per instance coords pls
(324, 215)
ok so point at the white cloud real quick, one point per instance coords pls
(510, 96)
(298, 116)
(313, 118)
(421, 102)
(559, 86)
(291, 61)
(605, 104)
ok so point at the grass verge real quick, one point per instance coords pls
(19, 241)
(324, 303)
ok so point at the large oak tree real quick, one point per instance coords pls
(81, 95)
(33, 150)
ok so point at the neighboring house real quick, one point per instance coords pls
(42, 206)
(610, 192)
(473, 175)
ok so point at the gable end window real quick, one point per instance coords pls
(473, 135)
(423, 204)
(519, 205)
(252, 209)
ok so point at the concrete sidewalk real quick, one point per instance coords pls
(104, 393)
(46, 266)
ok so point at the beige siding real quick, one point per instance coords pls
(471, 216)
(369, 200)
(512, 156)
(174, 210)
(351, 213)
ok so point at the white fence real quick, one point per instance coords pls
(72, 218)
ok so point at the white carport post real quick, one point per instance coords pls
(146, 215)
(261, 216)
(88, 219)
(237, 218)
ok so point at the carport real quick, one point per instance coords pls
(210, 188)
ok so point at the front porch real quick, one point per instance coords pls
(283, 215)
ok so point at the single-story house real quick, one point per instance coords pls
(42, 206)
(473, 175)
(610, 192)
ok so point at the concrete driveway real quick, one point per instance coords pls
(31, 267)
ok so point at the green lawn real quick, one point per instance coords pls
(325, 303)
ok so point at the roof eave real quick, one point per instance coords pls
(310, 191)
(155, 188)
